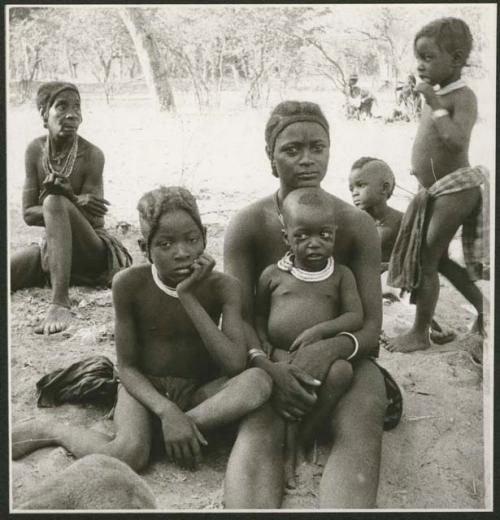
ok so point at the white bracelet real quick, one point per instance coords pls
(440, 112)
(254, 353)
(356, 343)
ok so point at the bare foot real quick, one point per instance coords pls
(57, 320)
(31, 435)
(409, 342)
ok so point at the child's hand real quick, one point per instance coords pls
(182, 438)
(201, 268)
(427, 91)
(307, 337)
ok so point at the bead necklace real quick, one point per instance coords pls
(286, 264)
(67, 168)
(459, 83)
(165, 288)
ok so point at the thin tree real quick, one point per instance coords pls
(150, 58)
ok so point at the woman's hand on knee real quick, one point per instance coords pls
(294, 391)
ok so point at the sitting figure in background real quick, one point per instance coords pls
(177, 369)
(359, 100)
(63, 192)
(409, 99)
(304, 298)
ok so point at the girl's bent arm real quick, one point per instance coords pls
(227, 346)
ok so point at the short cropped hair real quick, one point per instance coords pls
(313, 197)
(450, 34)
(386, 170)
(289, 112)
(155, 203)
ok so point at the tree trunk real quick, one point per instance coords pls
(150, 58)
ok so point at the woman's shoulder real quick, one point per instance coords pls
(251, 216)
(256, 208)
(36, 145)
(86, 147)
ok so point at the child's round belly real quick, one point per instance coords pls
(288, 319)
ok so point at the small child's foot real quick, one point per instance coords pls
(30, 435)
(58, 319)
(409, 342)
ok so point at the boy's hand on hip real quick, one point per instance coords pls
(292, 395)
(201, 269)
(93, 205)
(182, 438)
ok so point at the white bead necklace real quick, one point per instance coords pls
(286, 264)
(165, 288)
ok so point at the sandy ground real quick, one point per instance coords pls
(434, 459)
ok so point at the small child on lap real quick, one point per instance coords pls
(174, 361)
(306, 298)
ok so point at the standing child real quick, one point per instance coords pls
(451, 194)
(304, 298)
(175, 363)
(371, 183)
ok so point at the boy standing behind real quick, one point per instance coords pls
(173, 359)
(371, 183)
(451, 196)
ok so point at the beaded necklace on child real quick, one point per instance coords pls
(165, 288)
